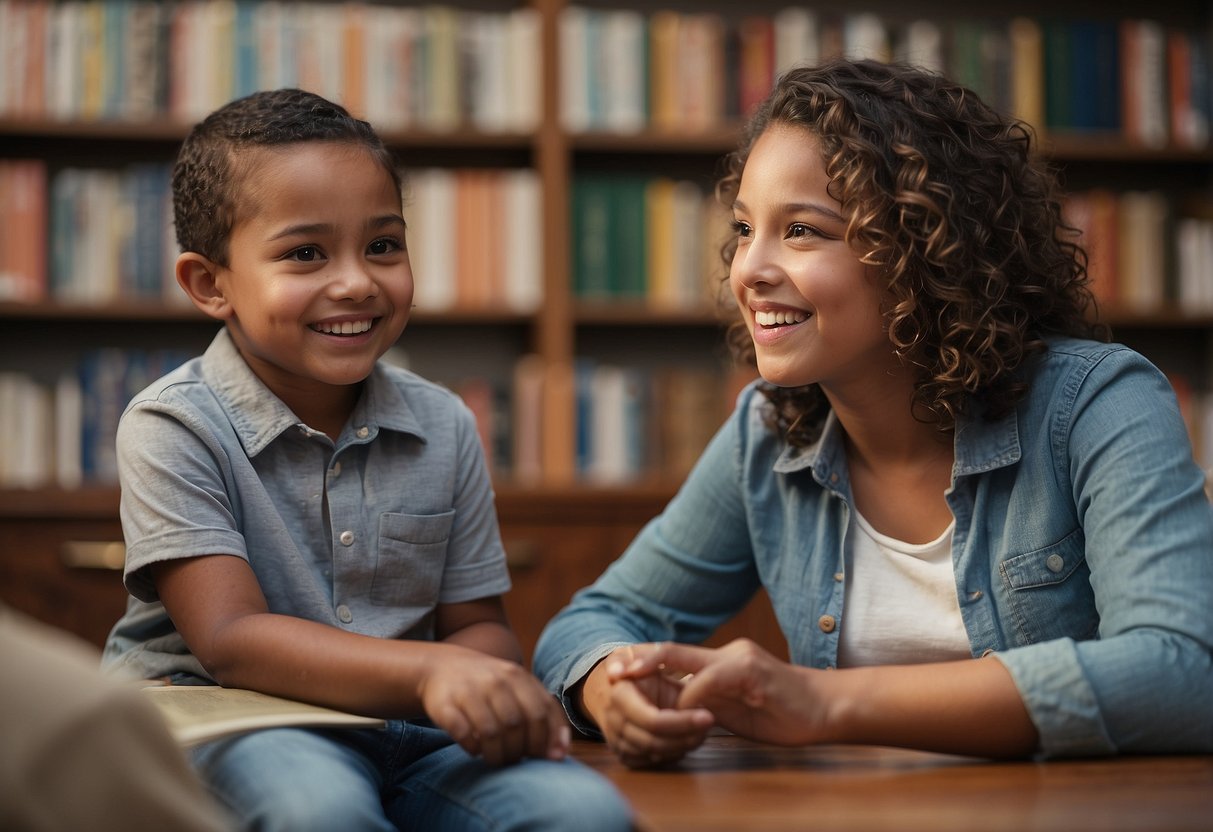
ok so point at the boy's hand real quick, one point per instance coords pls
(639, 715)
(494, 708)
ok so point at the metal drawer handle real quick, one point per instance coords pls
(93, 554)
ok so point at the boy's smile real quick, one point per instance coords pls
(318, 284)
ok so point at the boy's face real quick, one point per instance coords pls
(318, 283)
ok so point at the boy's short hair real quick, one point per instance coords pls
(211, 169)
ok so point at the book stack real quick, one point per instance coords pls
(501, 267)
(654, 240)
(1145, 251)
(62, 433)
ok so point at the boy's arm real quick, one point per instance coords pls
(490, 706)
(480, 625)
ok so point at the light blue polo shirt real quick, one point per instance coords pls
(369, 534)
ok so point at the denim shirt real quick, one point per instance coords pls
(1082, 552)
(368, 534)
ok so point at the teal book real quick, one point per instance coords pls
(591, 231)
(629, 237)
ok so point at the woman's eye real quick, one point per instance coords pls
(741, 229)
(799, 229)
(305, 254)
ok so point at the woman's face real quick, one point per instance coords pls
(812, 308)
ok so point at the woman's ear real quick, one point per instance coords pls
(198, 277)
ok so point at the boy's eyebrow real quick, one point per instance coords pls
(799, 208)
(309, 229)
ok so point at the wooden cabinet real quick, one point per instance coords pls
(64, 565)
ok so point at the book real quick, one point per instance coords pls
(201, 713)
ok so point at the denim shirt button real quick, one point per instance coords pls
(827, 623)
(1055, 563)
(344, 614)
(976, 595)
(838, 576)
(346, 538)
(987, 652)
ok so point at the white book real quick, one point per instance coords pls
(797, 39)
(442, 72)
(865, 37)
(482, 36)
(199, 713)
(68, 421)
(523, 270)
(620, 65)
(688, 230)
(1152, 42)
(63, 62)
(923, 46)
(574, 77)
(523, 68)
(429, 212)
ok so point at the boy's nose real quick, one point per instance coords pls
(353, 282)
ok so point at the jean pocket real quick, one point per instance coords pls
(1049, 591)
(411, 559)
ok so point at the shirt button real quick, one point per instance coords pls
(343, 613)
(1055, 563)
(987, 652)
(827, 623)
(336, 469)
(363, 432)
(975, 595)
(838, 576)
(347, 538)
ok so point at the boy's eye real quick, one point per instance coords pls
(741, 229)
(305, 254)
(384, 245)
(799, 229)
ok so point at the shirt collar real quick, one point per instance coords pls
(260, 417)
(980, 445)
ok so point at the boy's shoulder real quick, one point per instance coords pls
(427, 398)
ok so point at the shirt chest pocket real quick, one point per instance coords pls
(411, 559)
(1049, 592)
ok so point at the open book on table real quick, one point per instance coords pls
(200, 713)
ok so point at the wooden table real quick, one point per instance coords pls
(736, 785)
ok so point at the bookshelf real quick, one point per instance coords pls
(532, 349)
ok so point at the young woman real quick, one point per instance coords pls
(981, 528)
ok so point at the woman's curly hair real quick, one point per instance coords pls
(964, 224)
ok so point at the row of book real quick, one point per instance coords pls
(630, 424)
(1146, 251)
(62, 434)
(111, 238)
(625, 70)
(651, 239)
(433, 67)
(87, 235)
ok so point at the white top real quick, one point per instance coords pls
(900, 603)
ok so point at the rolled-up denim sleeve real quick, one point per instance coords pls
(687, 571)
(1146, 683)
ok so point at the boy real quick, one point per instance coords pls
(305, 521)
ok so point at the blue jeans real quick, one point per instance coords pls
(406, 777)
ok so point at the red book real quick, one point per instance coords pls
(757, 65)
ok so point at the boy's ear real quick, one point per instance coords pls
(197, 276)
